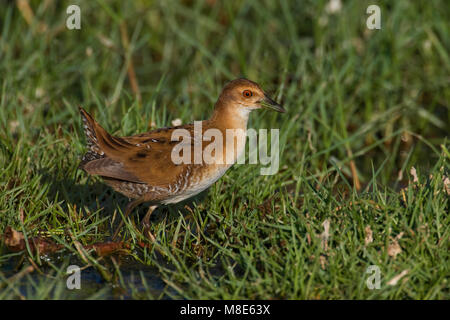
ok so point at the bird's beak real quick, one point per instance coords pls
(268, 103)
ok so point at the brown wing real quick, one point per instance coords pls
(107, 167)
(144, 158)
(150, 158)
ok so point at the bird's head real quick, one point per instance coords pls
(248, 95)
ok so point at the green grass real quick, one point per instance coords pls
(378, 100)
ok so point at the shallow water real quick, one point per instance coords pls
(135, 280)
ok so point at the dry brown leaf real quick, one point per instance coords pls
(13, 238)
(15, 241)
(397, 278)
(28, 14)
(413, 172)
(369, 235)
(107, 248)
(308, 238)
(394, 248)
(325, 234)
(21, 215)
(446, 181)
(400, 175)
(323, 262)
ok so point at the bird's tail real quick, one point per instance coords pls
(94, 151)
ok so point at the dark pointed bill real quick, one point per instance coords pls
(268, 103)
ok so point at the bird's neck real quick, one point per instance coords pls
(229, 116)
(230, 119)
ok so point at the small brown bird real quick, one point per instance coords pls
(142, 166)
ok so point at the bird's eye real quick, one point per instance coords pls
(247, 93)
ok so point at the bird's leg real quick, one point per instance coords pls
(128, 210)
(146, 223)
